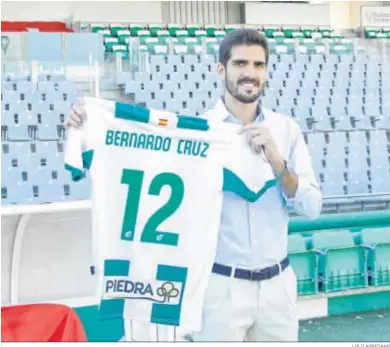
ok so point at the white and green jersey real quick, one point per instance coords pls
(157, 183)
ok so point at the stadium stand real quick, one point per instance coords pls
(340, 97)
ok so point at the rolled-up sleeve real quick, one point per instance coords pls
(307, 201)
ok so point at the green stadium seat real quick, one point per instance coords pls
(157, 49)
(219, 34)
(290, 43)
(155, 28)
(307, 32)
(278, 34)
(135, 28)
(200, 34)
(119, 48)
(381, 36)
(192, 29)
(387, 32)
(181, 34)
(279, 39)
(192, 44)
(95, 28)
(212, 48)
(370, 33)
(340, 48)
(143, 48)
(321, 41)
(110, 42)
(304, 264)
(336, 36)
(341, 264)
(105, 33)
(308, 46)
(378, 258)
(347, 43)
(316, 35)
(297, 35)
(269, 32)
(144, 35)
(211, 40)
(288, 32)
(231, 27)
(172, 28)
(210, 30)
(163, 36)
(150, 42)
(115, 28)
(122, 50)
(195, 49)
(123, 36)
(271, 45)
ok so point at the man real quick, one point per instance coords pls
(252, 292)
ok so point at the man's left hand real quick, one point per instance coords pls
(261, 139)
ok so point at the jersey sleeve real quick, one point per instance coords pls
(78, 157)
(80, 143)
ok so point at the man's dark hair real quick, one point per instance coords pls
(249, 37)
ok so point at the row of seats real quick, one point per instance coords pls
(193, 30)
(155, 39)
(289, 46)
(361, 60)
(331, 261)
(64, 86)
(376, 33)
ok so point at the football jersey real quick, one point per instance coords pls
(157, 181)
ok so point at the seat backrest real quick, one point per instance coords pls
(296, 243)
(375, 236)
(333, 239)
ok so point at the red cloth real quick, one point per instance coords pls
(41, 323)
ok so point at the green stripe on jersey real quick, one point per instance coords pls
(141, 114)
(76, 173)
(87, 158)
(132, 112)
(192, 122)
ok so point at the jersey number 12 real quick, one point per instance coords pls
(150, 234)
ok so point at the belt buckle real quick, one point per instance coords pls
(254, 272)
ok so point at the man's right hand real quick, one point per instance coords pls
(77, 115)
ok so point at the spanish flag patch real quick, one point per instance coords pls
(162, 122)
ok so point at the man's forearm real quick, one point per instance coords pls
(287, 179)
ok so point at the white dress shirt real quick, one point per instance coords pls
(254, 234)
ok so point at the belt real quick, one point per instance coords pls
(252, 275)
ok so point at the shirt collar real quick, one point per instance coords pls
(226, 116)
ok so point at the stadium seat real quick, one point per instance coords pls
(377, 241)
(330, 94)
(341, 264)
(304, 264)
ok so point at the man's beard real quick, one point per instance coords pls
(243, 98)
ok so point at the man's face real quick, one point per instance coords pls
(245, 73)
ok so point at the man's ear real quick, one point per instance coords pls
(221, 71)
